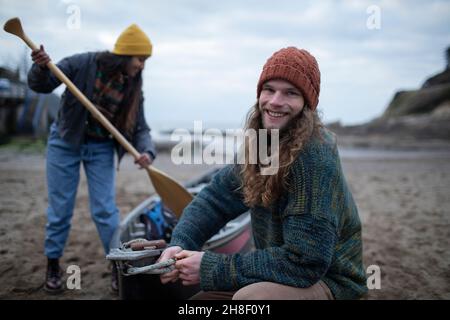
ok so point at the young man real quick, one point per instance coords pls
(113, 82)
(306, 227)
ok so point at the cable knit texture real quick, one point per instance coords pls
(312, 233)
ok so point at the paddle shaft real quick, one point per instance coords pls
(85, 101)
(175, 196)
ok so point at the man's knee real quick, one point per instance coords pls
(275, 291)
(251, 292)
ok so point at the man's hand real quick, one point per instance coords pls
(188, 264)
(40, 57)
(167, 254)
(144, 160)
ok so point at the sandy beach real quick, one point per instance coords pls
(402, 199)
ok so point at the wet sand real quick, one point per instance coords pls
(403, 203)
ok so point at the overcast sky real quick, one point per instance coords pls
(208, 54)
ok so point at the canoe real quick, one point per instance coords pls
(141, 223)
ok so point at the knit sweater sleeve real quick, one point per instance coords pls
(211, 209)
(309, 234)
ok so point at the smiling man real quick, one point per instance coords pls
(306, 226)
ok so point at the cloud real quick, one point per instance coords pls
(208, 54)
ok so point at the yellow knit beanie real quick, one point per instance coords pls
(133, 42)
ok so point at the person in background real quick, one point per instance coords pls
(113, 82)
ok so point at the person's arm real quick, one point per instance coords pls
(210, 210)
(219, 202)
(41, 79)
(309, 234)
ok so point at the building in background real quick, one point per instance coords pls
(22, 111)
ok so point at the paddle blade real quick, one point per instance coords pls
(173, 195)
(14, 26)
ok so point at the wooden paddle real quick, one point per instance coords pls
(173, 195)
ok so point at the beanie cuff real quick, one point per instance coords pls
(132, 50)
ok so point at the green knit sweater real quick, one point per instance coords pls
(312, 233)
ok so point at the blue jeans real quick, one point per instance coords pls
(63, 175)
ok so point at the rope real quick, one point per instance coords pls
(138, 249)
(157, 268)
(127, 255)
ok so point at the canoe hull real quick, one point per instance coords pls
(235, 237)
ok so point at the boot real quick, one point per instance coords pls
(53, 281)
